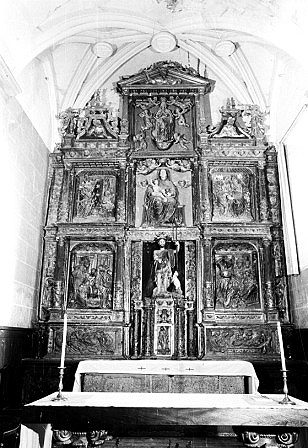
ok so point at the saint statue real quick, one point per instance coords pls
(164, 276)
(163, 132)
(161, 201)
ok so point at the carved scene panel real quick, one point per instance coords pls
(163, 193)
(95, 197)
(232, 195)
(236, 277)
(94, 341)
(163, 123)
(91, 276)
(246, 341)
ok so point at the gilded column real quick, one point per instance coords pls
(268, 285)
(180, 321)
(136, 298)
(263, 205)
(118, 296)
(121, 212)
(208, 294)
(148, 308)
(55, 194)
(190, 316)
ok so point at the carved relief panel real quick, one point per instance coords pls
(233, 195)
(163, 193)
(237, 278)
(233, 341)
(91, 276)
(95, 196)
(162, 122)
(92, 341)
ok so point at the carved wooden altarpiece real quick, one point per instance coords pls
(164, 236)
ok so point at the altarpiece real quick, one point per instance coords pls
(164, 234)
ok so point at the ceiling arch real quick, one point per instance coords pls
(99, 77)
(219, 67)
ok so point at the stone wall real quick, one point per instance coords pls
(24, 160)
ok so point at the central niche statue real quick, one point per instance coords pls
(163, 132)
(164, 276)
(161, 202)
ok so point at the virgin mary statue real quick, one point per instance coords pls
(161, 201)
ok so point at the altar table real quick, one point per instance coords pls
(253, 416)
(161, 370)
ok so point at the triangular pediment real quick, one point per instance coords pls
(166, 74)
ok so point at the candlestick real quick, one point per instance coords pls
(286, 399)
(64, 340)
(61, 368)
(282, 356)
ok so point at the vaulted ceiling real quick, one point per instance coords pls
(61, 51)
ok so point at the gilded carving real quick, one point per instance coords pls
(91, 276)
(232, 196)
(273, 193)
(96, 120)
(232, 124)
(96, 196)
(224, 193)
(91, 341)
(136, 286)
(163, 118)
(161, 201)
(240, 340)
(163, 195)
(67, 122)
(55, 195)
(236, 277)
(190, 271)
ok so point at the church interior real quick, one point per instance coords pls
(154, 222)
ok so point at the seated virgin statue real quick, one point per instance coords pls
(161, 202)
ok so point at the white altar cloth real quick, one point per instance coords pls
(168, 367)
(206, 409)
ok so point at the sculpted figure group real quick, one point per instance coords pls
(91, 287)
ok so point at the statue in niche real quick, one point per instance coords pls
(163, 132)
(231, 197)
(91, 282)
(163, 341)
(164, 276)
(96, 197)
(161, 203)
(236, 281)
(165, 122)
